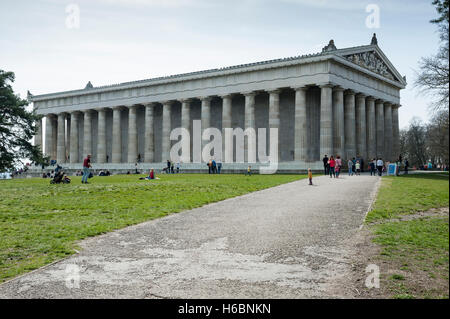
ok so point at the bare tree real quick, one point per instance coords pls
(438, 138)
(433, 77)
(413, 142)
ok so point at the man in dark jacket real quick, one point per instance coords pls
(325, 164)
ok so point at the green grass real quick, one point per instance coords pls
(40, 223)
(402, 195)
(419, 247)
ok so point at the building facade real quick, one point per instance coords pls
(337, 102)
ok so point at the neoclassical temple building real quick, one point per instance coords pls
(337, 102)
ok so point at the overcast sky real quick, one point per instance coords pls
(126, 40)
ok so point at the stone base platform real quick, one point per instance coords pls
(227, 168)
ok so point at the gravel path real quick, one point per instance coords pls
(290, 241)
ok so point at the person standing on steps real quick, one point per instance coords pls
(331, 166)
(325, 164)
(86, 172)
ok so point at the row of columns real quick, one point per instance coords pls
(350, 124)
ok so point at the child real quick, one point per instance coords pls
(249, 171)
(358, 168)
(310, 176)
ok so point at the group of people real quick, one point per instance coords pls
(332, 166)
(213, 167)
(170, 168)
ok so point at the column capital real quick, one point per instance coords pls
(379, 101)
(186, 100)
(205, 98)
(167, 102)
(50, 115)
(388, 104)
(274, 91)
(326, 85)
(248, 93)
(149, 104)
(100, 109)
(300, 88)
(228, 95)
(360, 96)
(396, 106)
(62, 114)
(118, 107)
(131, 106)
(338, 88)
(371, 98)
(349, 92)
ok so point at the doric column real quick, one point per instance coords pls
(395, 132)
(101, 136)
(361, 147)
(116, 153)
(226, 119)
(49, 123)
(301, 125)
(350, 128)
(326, 120)
(166, 128)
(338, 122)
(388, 131)
(132, 135)
(379, 110)
(74, 151)
(205, 115)
(61, 143)
(149, 154)
(38, 134)
(274, 115)
(249, 119)
(87, 137)
(371, 128)
(54, 136)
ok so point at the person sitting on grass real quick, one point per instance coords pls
(151, 175)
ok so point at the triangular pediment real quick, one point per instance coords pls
(373, 59)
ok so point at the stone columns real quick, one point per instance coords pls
(379, 109)
(101, 136)
(349, 123)
(371, 128)
(274, 116)
(226, 121)
(38, 134)
(326, 120)
(87, 137)
(361, 147)
(61, 143)
(74, 153)
(116, 153)
(205, 115)
(149, 155)
(338, 122)
(132, 135)
(300, 126)
(49, 137)
(395, 132)
(249, 120)
(166, 129)
(388, 131)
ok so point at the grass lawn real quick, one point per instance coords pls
(414, 248)
(40, 223)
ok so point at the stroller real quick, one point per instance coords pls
(60, 178)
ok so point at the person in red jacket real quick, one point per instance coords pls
(332, 165)
(86, 172)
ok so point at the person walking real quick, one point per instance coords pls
(209, 167)
(350, 167)
(249, 171)
(214, 166)
(219, 167)
(338, 166)
(168, 167)
(86, 172)
(325, 164)
(406, 166)
(380, 166)
(331, 166)
(372, 165)
(310, 176)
